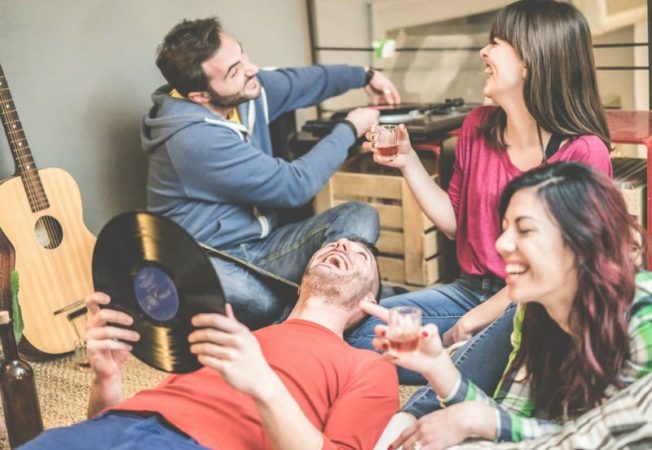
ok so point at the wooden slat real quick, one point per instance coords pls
(391, 216)
(432, 271)
(413, 238)
(366, 185)
(390, 242)
(392, 269)
(430, 243)
(324, 198)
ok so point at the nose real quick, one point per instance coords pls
(505, 244)
(250, 69)
(343, 244)
(484, 51)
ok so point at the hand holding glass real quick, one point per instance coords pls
(386, 140)
(404, 328)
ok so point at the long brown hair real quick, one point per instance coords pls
(569, 374)
(561, 90)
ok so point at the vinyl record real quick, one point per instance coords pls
(155, 272)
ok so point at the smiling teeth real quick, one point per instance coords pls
(515, 269)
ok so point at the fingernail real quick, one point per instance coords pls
(424, 333)
(383, 333)
(391, 447)
(385, 346)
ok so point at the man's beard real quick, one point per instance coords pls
(345, 290)
(230, 101)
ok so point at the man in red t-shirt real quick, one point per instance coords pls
(295, 385)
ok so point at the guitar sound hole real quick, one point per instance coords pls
(48, 232)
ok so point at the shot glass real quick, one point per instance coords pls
(386, 140)
(404, 327)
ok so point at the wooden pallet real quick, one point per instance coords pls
(408, 240)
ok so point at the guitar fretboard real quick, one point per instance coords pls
(20, 151)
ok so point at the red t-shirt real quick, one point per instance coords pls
(349, 394)
(480, 174)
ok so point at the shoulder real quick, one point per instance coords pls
(478, 116)
(369, 364)
(643, 296)
(587, 149)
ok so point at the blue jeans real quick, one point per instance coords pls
(441, 305)
(257, 301)
(114, 430)
(482, 360)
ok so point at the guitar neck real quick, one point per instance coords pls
(20, 151)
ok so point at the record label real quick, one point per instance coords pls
(156, 293)
(156, 272)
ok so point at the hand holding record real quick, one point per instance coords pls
(229, 347)
(156, 274)
(107, 341)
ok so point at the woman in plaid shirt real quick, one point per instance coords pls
(583, 328)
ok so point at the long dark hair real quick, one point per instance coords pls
(561, 90)
(569, 374)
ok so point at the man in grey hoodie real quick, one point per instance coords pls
(212, 169)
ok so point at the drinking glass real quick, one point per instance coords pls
(386, 140)
(404, 328)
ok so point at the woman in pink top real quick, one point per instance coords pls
(541, 77)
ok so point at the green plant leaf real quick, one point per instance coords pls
(17, 314)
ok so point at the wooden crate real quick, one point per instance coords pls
(408, 240)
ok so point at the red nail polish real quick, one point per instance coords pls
(383, 333)
(385, 346)
(424, 333)
(391, 447)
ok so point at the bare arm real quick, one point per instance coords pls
(227, 346)
(108, 348)
(478, 318)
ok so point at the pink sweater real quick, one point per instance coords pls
(480, 175)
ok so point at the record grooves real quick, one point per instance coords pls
(156, 272)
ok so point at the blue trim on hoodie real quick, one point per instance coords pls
(215, 180)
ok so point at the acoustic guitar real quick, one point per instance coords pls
(42, 218)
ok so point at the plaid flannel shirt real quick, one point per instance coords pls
(512, 403)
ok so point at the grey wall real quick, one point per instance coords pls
(81, 71)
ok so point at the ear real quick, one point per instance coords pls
(199, 97)
(524, 72)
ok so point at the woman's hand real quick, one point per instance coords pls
(421, 360)
(405, 151)
(440, 429)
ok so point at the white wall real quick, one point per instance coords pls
(81, 72)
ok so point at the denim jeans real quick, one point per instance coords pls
(441, 305)
(482, 360)
(257, 301)
(114, 430)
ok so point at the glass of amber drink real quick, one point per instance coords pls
(386, 140)
(404, 328)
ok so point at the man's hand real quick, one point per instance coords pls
(363, 119)
(227, 346)
(108, 346)
(382, 91)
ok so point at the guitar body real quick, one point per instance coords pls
(53, 251)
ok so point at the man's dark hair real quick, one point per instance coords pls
(374, 251)
(183, 51)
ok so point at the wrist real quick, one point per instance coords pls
(351, 126)
(369, 74)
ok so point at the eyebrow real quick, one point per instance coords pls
(234, 65)
(520, 218)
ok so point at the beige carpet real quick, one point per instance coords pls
(63, 389)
